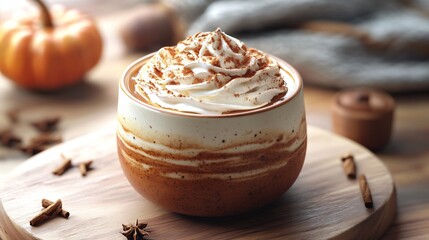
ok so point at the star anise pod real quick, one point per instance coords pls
(40, 143)
(135, 232)
(9, 139)
(46, 125)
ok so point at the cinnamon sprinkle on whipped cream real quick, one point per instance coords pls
(210, 73)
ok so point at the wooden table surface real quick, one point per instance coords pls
(91, 105)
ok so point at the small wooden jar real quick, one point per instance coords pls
(363, 115)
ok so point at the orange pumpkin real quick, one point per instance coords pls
(49, 50)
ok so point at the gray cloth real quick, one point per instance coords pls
(396, 59)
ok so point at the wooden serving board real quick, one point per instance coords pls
(322, 204)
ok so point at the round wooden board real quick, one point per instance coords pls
(322, 204)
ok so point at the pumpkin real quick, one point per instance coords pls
(48, 50)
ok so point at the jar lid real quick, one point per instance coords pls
(365, 100)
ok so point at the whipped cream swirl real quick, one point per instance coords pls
(210, 73)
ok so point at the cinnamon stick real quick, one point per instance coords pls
(60, 170)
(349, 166)
(366, 192)
(84, 167)
(46, 203)
(33, 149)
(46, 139)
(47, 213)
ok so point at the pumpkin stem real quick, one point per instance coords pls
(46, 16)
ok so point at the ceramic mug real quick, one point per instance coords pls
(206, 165)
